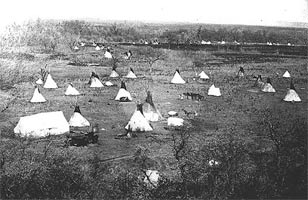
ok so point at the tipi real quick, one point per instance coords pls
(108, 53)
(94, 81)
(39, 81)
(123, 95)
(131, 74)
(138, 123)
(286, 75)
(42, 124)
(203, 75)
(241, 72)
(71, 90)
(292, 94)
(149, 110)
(37, 96)
(214, 91)
(177, 79)
(97, 48)
(77, 119)
(50, 83)
(114, 73)
(128, 55)
(268, 86)
(259, 82)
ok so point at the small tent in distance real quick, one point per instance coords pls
(50, 83)
(37, 96)
(131, 74)
(123, 95)
(94, 81)
(77, 120)
(71, 91)
(177, 79)
(292, 95)
(268, 86)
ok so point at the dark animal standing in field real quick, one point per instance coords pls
(193, 96)
(188, 113)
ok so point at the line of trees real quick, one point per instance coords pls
(49, 35)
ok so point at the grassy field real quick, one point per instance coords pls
(238, 113)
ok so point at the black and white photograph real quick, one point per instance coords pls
(153, 99)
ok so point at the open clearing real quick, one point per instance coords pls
(238, 111)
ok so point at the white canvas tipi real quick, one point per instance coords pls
(131, 74)
(50, 83)
(268, 86)
(71, 90)
(42, 124)
(97, 48)
(94, 81)
(108, 54)
(241, 72)
(39, 81)
(214, 91)
(286, 75)
(123, 95)
(177, 79)
(292, 95)
(138, 123)
(150, 112)
(37, 96)
(114, 73)
(77, 120)
(203, 75)
(259, 83)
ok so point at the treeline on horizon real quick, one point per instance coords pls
(51, 34)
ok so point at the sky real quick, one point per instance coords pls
(249, 12)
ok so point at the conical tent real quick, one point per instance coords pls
(259, 82)
(131, 74)
(123, 94)
(214, 91)
(108, 54)
(150, 112)
(39, 81)
(42, 124)
(138, 123)
(203, 75)
(268, 86)
(37, 96)
(71, 90)
(114, 74)
(50, 83)
(241, 72)
(177, 79)
(292, 95)
(77, 120)
(286, 75)
(95, 82)
(97, 48)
